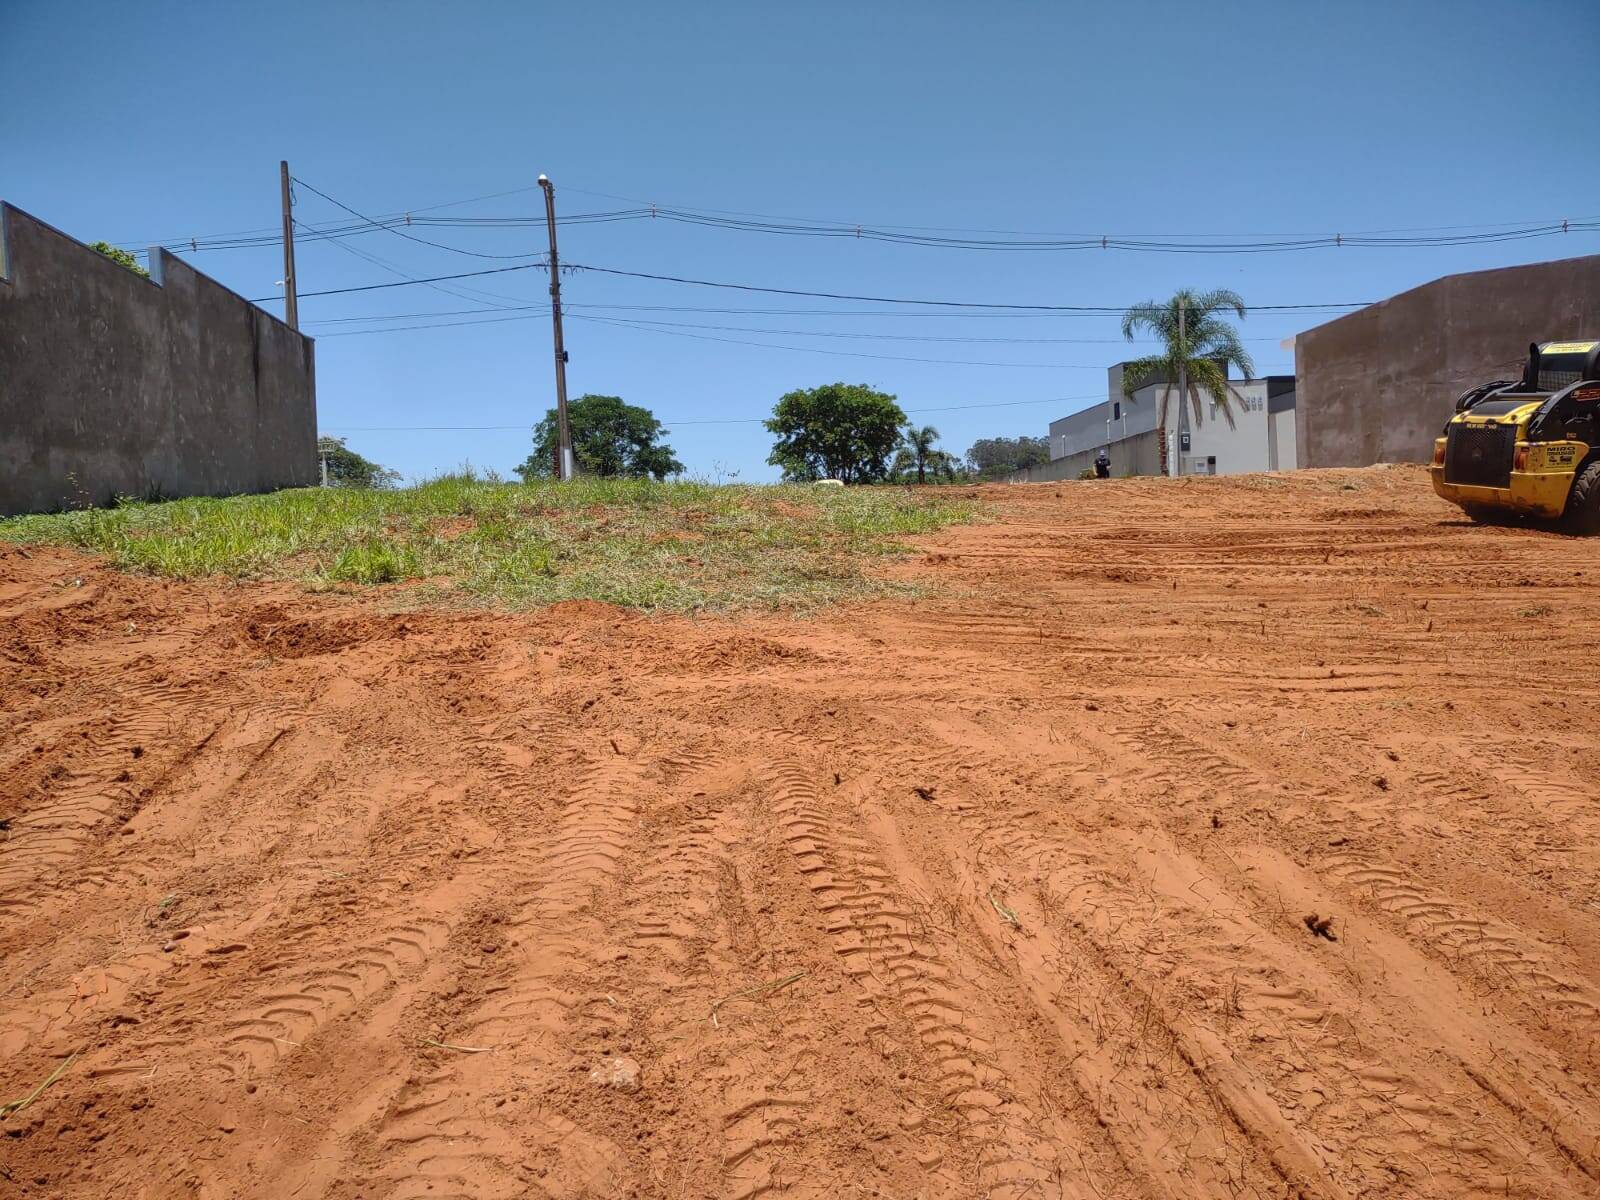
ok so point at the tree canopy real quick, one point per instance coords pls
(995, 458)
(609, 437)
(1205, 348)
(346, 468)
(118, 255)
(919, 459)
(843, 431)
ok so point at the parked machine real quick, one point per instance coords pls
(1530, 445)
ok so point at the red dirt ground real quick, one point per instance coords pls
(1006, 893)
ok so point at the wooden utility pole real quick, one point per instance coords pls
(1183, 377)
(291, 296)
(564, 463)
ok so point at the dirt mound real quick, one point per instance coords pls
(1219, 840)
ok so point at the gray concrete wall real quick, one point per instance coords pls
(1139, 454)
(1089, 428)
(111, 384)
(1379, 384)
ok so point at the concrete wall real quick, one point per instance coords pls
(1240, 447)
(111, 384)
(1379, 384)
(1282, 454)
(1115, 417)
(1136, 455)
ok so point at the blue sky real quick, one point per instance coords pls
(160, 121)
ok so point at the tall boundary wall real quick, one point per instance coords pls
(1139, 454)
(1378, 385)
(116, 385)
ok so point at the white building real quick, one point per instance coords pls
(1261, 438)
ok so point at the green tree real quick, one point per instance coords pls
(118, 255)
(609, 437)
(346, 468)
(938, 466)
(919, 447)
(1204, 348)
(995, 458)
(843, 431)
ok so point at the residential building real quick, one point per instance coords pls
(1260, 438)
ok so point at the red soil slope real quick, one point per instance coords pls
(1014, 892)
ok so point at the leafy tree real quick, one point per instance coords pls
(346, 468)
(946, 467)
(919, 445)
(118, 255)
(995, 458)
(1204, 349)
(609, 437)
(938, 466)
(843, 431)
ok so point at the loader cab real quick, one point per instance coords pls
(1567, 375)
(1553, 366)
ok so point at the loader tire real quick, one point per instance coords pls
(1582, 514)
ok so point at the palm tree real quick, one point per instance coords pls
(1203, 348)
(919, 448)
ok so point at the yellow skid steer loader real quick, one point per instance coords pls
(1529, 446)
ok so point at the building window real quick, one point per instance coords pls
(1116, 410)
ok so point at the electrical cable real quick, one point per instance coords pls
(407, 282)
(398, 233)
(486, 301)
(951, 362)
(775, 291)
(669, 423)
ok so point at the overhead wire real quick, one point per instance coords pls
(540, 311)
(487, 301)
(670, 422)
(953, 362)
(656, 206)
(400, 233)
(948, 237)
(973, 304)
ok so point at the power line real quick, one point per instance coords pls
(408, 282)
(880, 337)
(1098, 309)
(952, 362)
(534, 311)
(671, 422)
(1113, 242)
(486, 301)
(955, 237)
(1117, 309)
(652, 327)
(398, 233)
(656, 206)
(1193, 244)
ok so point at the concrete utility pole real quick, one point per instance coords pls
(564, 463)
(291, 293)
(1183, 380)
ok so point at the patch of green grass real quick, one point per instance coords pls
(669, 547)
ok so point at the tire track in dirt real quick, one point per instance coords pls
(890, 954)
(1476, 945)
(53, 842)
(997, 892)
(1085, 878)
(430, 1140)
